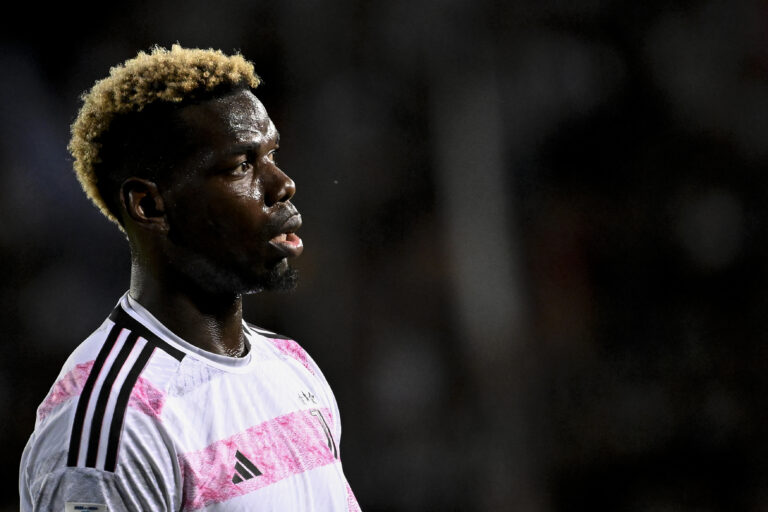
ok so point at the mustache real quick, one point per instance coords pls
(285, 219)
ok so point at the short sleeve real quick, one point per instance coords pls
(146, 476)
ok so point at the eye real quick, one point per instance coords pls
(272, 156)
(242, 168)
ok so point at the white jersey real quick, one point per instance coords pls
(140, 420)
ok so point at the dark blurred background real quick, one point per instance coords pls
(536, 236)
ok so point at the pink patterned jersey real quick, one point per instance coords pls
(140, 420)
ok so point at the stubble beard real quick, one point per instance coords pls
(231, 276)
(218, 280)
(276, 280)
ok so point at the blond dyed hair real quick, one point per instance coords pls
(170, 76)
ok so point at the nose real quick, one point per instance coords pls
(279, 188)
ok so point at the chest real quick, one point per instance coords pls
(252, 434)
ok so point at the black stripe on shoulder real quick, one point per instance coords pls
(116, 427)
(85, 396)
(101, 402)
(266, 333)
(120, 317)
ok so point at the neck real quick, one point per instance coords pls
(212, 322)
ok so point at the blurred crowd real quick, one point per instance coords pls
(536, 236)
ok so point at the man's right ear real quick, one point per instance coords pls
(144, 204)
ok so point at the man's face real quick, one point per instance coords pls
(231, 222)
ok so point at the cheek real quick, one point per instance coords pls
(221, 217)
(240, 221)
(194, 217)
(255, 192)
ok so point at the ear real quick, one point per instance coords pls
(143, 204)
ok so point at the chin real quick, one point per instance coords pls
(218, 280)
(280, 278)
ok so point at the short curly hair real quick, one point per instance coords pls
(151, 84)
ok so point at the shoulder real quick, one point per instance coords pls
(287, 347)
(118, 364)
(113, 384)
(74, 373)
(107, 446)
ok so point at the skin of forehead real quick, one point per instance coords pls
(239, 117)
(242, 112)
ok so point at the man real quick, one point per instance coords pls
(175, 403)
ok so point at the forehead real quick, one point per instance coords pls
(236, 117)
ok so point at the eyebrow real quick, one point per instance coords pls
(239, 148)
(243, 147)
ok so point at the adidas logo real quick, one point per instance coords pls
(244, 469)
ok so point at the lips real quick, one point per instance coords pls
(286, 242)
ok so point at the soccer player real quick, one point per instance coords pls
(174, 402)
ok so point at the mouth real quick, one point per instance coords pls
(287, 243)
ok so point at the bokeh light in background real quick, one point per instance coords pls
(536, 236)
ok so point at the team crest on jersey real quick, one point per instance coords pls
(307, 397)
